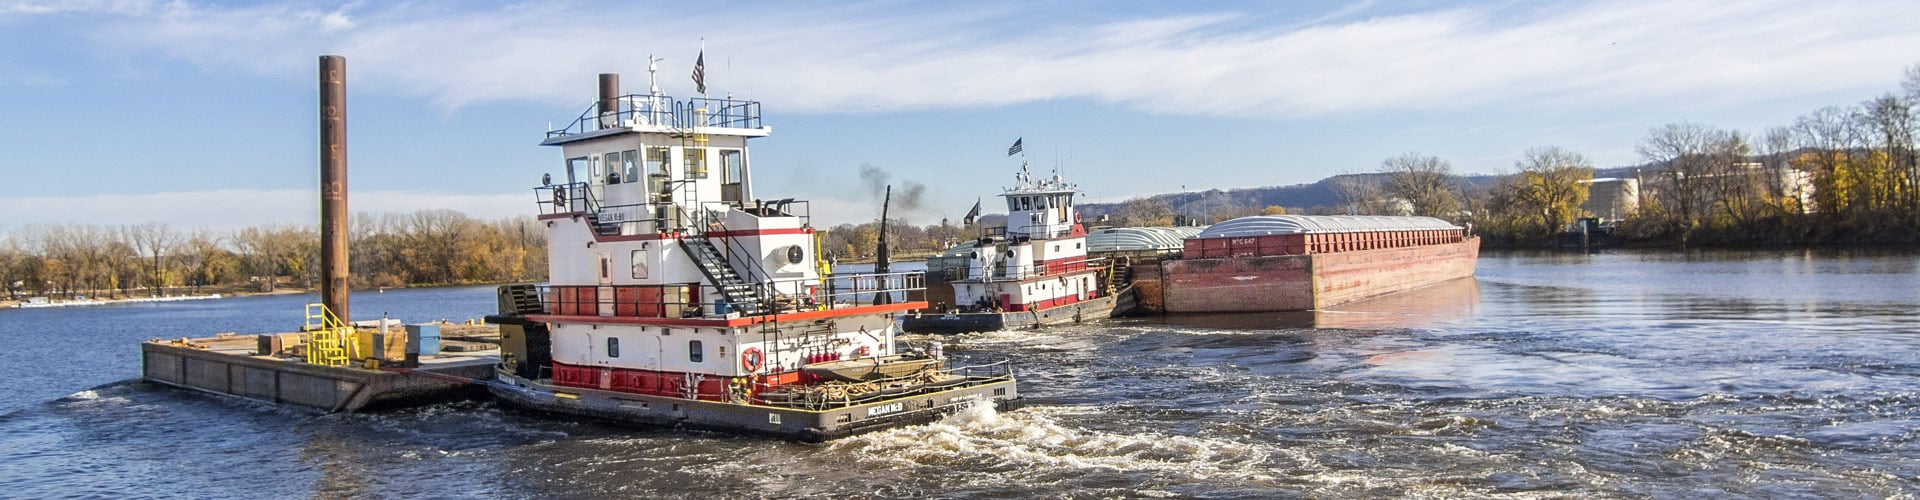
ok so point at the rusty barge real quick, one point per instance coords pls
(1304, 262)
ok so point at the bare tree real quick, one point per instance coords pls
(11, 257)
(1680, 151)
(1425, 181)
(1781, 182)
(1144, 211)
(1888, 125)
(1827, 135)
(1733, 184)
(1361, 194)
(153, 239)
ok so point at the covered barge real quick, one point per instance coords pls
(1304, 262)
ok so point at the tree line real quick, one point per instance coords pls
(1839, 174)
(151, 259)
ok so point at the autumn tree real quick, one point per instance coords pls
(1551, 183)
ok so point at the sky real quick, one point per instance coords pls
(204, 114)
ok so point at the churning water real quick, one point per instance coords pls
(1617, 374)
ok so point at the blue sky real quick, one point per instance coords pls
(202, 114)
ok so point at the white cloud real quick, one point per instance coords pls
(230, 209)
(859, 58)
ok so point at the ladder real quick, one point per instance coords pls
(326, 337)
(743, 296)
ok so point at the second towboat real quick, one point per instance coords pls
(1032, 273)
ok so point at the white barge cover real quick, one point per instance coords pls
(1265, 225)
(1135, 239)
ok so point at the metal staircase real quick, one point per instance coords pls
(744, 297)
(327, 337)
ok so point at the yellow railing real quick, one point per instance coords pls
(326, 337)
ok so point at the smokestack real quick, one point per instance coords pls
(333, 186)
(609, 99)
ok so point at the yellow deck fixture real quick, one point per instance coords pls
(819, 258)
(326, 337)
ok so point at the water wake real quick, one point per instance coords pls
(1033, 442)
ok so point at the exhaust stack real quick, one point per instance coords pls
(333, 186)
(609, 99)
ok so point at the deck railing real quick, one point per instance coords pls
(636, 110)
(681, 300)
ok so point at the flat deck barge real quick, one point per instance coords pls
(233, 365)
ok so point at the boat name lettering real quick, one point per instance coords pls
(885, 409)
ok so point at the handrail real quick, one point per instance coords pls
(325, 337)
(824, 292)
(561, 198)
(661, 110)
(1043, 269)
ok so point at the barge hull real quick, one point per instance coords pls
(1109, 306)
(330, 389)
(792, 423)
(1311, 281)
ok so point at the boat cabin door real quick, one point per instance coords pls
(576, 167)
(732, 173)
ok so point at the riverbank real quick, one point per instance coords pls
(113, 297)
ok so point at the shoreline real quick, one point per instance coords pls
(212, 294)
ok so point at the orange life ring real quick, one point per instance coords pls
(751, 358)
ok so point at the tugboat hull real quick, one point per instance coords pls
(1111, 306)
(793, 423)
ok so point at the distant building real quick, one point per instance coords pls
(1612, 198)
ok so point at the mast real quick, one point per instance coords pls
(880, 266)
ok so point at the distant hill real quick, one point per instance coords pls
(1297, 198)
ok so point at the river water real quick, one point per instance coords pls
(1776, 373)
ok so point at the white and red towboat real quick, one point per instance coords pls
(1034, 273)
(677, 297)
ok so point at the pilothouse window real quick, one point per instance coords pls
(731, 165)
(613, 347)
(657, 169)
(629, 165)
(576, 167)
(695, 353)
(613, 168)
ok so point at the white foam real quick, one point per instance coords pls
(1031, 439)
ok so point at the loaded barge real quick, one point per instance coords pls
(1305, 262)
(1032, 273)
(677, 297)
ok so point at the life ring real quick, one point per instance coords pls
(751, 358)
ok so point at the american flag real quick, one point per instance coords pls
(1015, 149)
(700, 73)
